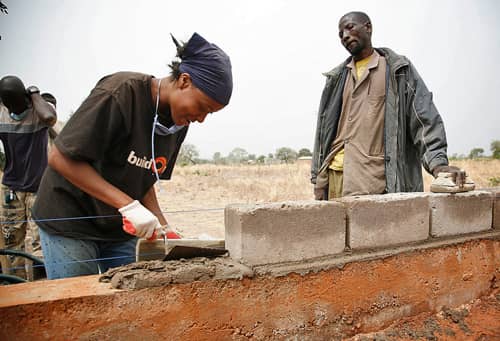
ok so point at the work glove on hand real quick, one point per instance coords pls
(168, 231)
(138, 220)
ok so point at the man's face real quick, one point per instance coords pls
(354, 34)
(190, 104)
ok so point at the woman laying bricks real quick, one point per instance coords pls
(123, 138)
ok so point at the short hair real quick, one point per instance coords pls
(362, 16)
(12, 85)
(49, 98)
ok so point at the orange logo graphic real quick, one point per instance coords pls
(160, 164)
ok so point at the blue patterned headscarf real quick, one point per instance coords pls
(208, 66)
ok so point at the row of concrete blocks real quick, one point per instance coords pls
(300, 230)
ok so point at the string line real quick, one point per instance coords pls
(97, 217)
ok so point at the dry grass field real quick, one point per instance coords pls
(195, 198)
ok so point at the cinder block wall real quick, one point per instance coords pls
(297, 231)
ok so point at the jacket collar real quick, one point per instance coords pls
(394, 60)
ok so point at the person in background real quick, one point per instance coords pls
(377, 124)
(25, 118)
(123, 138)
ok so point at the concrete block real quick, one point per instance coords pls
(284, 232)
(496, 205)
(376, 221)
(461, 213)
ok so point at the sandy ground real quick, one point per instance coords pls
(190, 213)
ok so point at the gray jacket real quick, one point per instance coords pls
(414, 133)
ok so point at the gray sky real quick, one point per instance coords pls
(278, 50)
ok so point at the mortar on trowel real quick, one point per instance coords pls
(171, 249)
(448, 183)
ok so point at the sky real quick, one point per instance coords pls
(279, 50)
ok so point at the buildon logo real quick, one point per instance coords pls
(160, 162)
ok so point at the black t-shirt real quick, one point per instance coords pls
(112, 131)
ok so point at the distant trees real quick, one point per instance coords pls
(218, 159)
(237, 155)
(495, 149)
(286, 154)
(476, 153)
(304, 152)
(188, 154)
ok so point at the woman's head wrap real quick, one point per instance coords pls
(208, 66)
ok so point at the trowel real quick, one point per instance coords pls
(171, 249)
(447, 183)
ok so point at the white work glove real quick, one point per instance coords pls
(138, 220)
(167, 231)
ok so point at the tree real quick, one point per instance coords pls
(286, 154)
(237, 155)
(475, 153)
(188, 154)
(3, 8)
(304, 152)
(261, 159)
(495, 149)
(217, 158)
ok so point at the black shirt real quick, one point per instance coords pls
(112, 131)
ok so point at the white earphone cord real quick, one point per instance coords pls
(153, 134)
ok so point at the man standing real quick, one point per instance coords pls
(25, 118)
(377, 123)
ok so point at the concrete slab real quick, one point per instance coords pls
(376, 221)
(461, 213)
(284, 232)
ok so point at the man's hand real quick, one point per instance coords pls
(45, 110)
(138, 220)
(457, 173)
(320, 194)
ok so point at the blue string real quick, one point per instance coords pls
(101, 216)
(95, 217)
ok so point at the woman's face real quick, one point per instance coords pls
(190, 104)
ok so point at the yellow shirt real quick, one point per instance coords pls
(338, 161)
(361, 66)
